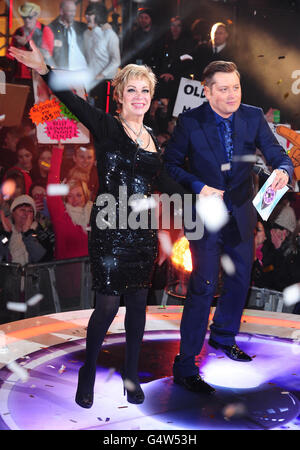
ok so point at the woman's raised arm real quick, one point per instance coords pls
(86, 114)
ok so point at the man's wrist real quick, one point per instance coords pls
(286, 172)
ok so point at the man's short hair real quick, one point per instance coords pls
(218, 66)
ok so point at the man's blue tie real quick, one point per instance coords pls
(227, 133)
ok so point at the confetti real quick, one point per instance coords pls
(234, 410)
(16, 306)
(225, 167)
(18, 370)
(212, 211)
(34, 300)
(3, 346)
(142, 204)
(245, 158)
(227, 264)
(165, 242)
(129, 385)
(110, 374)
(62, 369)
(291, 294)
(69, 79)
(57, 189)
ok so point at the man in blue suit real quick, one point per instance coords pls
(220, 133)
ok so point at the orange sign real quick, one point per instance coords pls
(45, 111)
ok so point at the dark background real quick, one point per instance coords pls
(267, 40)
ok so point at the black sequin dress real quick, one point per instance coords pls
(122, 258)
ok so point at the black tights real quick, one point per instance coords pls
(105, 311)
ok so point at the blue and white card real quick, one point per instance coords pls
(266, 199)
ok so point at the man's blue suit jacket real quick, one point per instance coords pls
(196, 139)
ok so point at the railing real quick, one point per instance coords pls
(65, 285)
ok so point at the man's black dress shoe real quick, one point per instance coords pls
(194, 383)
(232, 351)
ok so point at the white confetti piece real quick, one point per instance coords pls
(16, 306)
(110, 374)
(244, 158)
(227, 265)
(18, 370)
(57, 189)
(165, 242)
(225, 167)
(4, 240)
(62, 369)
(2, 117)
(129, 385)
(212, 211)
(34, 300)
(3, 346)
(62, 80)
(234, 410)
(142, 204)
(291, 294)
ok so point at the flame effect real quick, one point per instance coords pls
(181, 255)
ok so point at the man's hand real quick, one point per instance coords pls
(280, 180)
(207, 190)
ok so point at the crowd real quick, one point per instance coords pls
(36, 226)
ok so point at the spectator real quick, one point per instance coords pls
(68, 38)
(41, 168)
(142, 44)
(276, 269)
(174, 60)
(102, 51)
(19, 241)
(84, 168)
(41, 34)
(39, 194)
(26, 155)
(217, 48)
(70, 219)
(8, 155)
(200, 31)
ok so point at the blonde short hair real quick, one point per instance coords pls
(76, 182)
(132, 71)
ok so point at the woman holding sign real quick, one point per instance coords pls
(122, 257)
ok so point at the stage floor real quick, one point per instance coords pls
(38, 392)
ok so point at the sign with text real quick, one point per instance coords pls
(54, 122)
(190, 95)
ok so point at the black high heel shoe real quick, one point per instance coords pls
(134, 391)
(84, 397)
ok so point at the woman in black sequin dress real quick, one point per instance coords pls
(122, 258)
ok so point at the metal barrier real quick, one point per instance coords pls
(65, 285)
(258, 298)
(267, 300)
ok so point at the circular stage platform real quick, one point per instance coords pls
(38, 392)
